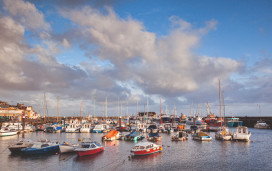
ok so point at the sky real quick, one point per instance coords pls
(137, 52)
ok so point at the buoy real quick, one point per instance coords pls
(79, 139)
(56, 153)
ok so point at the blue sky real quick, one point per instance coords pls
(176, 50)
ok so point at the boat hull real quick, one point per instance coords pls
(89, 152)
(4, 134)
(66, 149)
(45, 150)
(147, 152)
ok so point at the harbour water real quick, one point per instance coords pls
(187, 155)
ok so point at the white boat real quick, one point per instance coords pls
(17, 147)
(74, 126)
(241, 134)
(67, 148)
(198, 120)
(7, 132)
(261, 125)
(100, 128)
(202, 136)
(223, 134)
(86, 128)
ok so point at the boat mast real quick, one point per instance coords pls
(80, 109)
(58, 111)
(147, 106)
(219, 100)
(106, 107)
(160, 111)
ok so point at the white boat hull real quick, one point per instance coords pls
(66, 148)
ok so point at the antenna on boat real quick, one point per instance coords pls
(58, 111)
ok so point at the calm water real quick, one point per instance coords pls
(188, 155)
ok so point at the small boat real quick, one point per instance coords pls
(41, 147)
(180, 136)
(194, 120)
(100, 128)
(154, 137)
(202, 136)
(152, 128)
(145, 148)
(112, 135)
(89, 148)
(7, 132)
(67, 148)
(223, 134)
(241, 134)
(17, 147)
(134, 136)
(261, 125)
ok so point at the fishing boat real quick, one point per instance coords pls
(261, 125)
(89, 148)
(112, 135)
(134, 136)
(154, 137)
(194, 120)
(17, 147)
(241, 134)
(180, 136)
(234, 122)
(202, 136)
(223, 134)
(73, 127)
(41, 147)
(67, 148)
(146, 148)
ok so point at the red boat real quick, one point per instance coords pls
(145, 148)
(89, 148)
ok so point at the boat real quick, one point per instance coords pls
(154, 137)
(50, 129)
(7, 132)
(234, 122)
(168, 128)
(89, 148)
(180, 136)
(190, 120)
(100, 128)
(86, 128)
(261, 125)
(134, 136)
(152, 128)
(165, 118)
(73, 127)
(202, 136)
(112, 135)
(223, 134)
(67, 148)
(241, 134)
(17, 147)
(146, 148)
(41, 147)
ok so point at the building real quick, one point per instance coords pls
(17, 112)
(149, 114)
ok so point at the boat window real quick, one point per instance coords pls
(93, 146)
(142, 147)
(85, 146)
(44, 145)
(19, 144)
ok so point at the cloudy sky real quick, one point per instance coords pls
(128, 50)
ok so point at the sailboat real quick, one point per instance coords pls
(223, 131)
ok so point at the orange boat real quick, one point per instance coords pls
(112, 135)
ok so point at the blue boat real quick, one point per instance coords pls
(234, 122)
(41, 147)
(134, 136)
